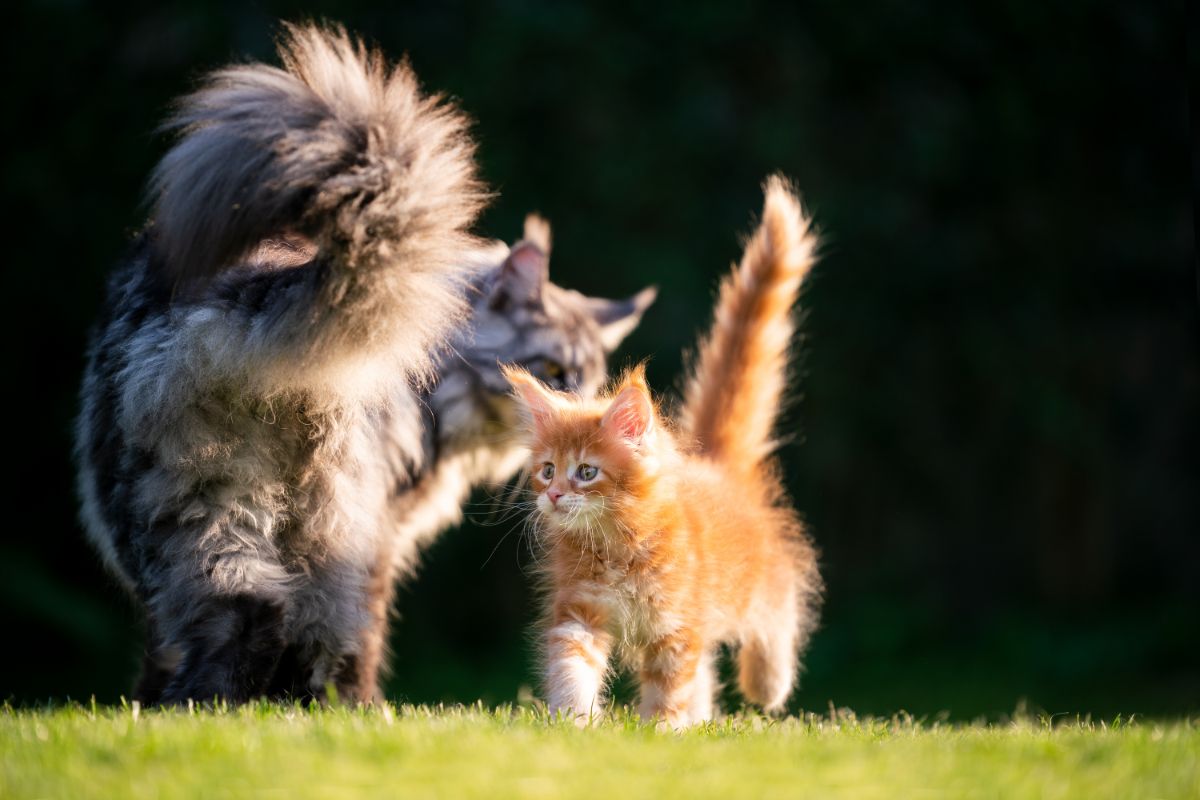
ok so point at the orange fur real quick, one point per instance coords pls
(668, 552)
(733, 398)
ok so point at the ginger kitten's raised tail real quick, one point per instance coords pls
(733, 397)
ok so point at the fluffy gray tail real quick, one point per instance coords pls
(337, 146)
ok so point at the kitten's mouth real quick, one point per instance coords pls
(577, 518)
(556, 513)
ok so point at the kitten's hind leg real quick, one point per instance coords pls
(673, 676)
(704, 689)
(768, 659)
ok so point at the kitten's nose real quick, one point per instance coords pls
(554, 493)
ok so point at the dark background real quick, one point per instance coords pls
(997, 435)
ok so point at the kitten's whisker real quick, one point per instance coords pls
(497, 547)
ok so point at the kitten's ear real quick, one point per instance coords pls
(522, 276)
(618, 318)
(538, 401)
(631, 414)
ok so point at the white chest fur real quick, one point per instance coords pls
(638, 612)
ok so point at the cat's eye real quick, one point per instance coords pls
(547, 471)
(586, 472)
(552, 368)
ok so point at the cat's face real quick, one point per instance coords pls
(591, 459)
(559, 336)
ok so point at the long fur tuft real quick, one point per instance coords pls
(338, 146)
(733, 397)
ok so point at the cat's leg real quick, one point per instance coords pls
(704, 689)
(359, 678)
(671, 677)
(577, 651)
(220, 599)
(230, 647)
(293, 676)
(367, 594)
(159, 663)
(340, 624)
(767, 663)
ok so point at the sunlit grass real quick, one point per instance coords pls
(412, 751)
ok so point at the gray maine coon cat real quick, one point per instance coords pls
(247, 435)
(230, 465)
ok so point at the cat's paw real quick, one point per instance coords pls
(678, 725)
(668, 721)
(581, 719)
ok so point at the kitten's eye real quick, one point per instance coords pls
(552, 368)
(586, 472)
(547, 471)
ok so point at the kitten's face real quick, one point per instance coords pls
(572, 488)
(559, 336)
(591, 459)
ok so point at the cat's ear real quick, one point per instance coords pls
(522, 276)
(630, 416)
(537, 230)
(539, 402)
(618, 318)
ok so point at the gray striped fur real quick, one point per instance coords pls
(246, 416)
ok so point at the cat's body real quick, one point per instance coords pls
(234, 405)
(666, 541)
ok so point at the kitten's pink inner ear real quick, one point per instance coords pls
(630, 416)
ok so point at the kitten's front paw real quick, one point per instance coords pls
(666, 720)
(674, 722)
(582, 719)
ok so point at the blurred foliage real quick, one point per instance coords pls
(996, 432)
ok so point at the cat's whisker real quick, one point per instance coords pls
(493, 517)
(500, 542)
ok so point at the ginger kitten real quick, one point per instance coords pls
(668, 539)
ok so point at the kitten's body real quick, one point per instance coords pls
(665, 545)
(234, 404)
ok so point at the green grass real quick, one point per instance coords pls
(286, 752)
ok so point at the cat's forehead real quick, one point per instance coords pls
(496, 330)
(571, 430)
(561, 316)
(567, 305)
